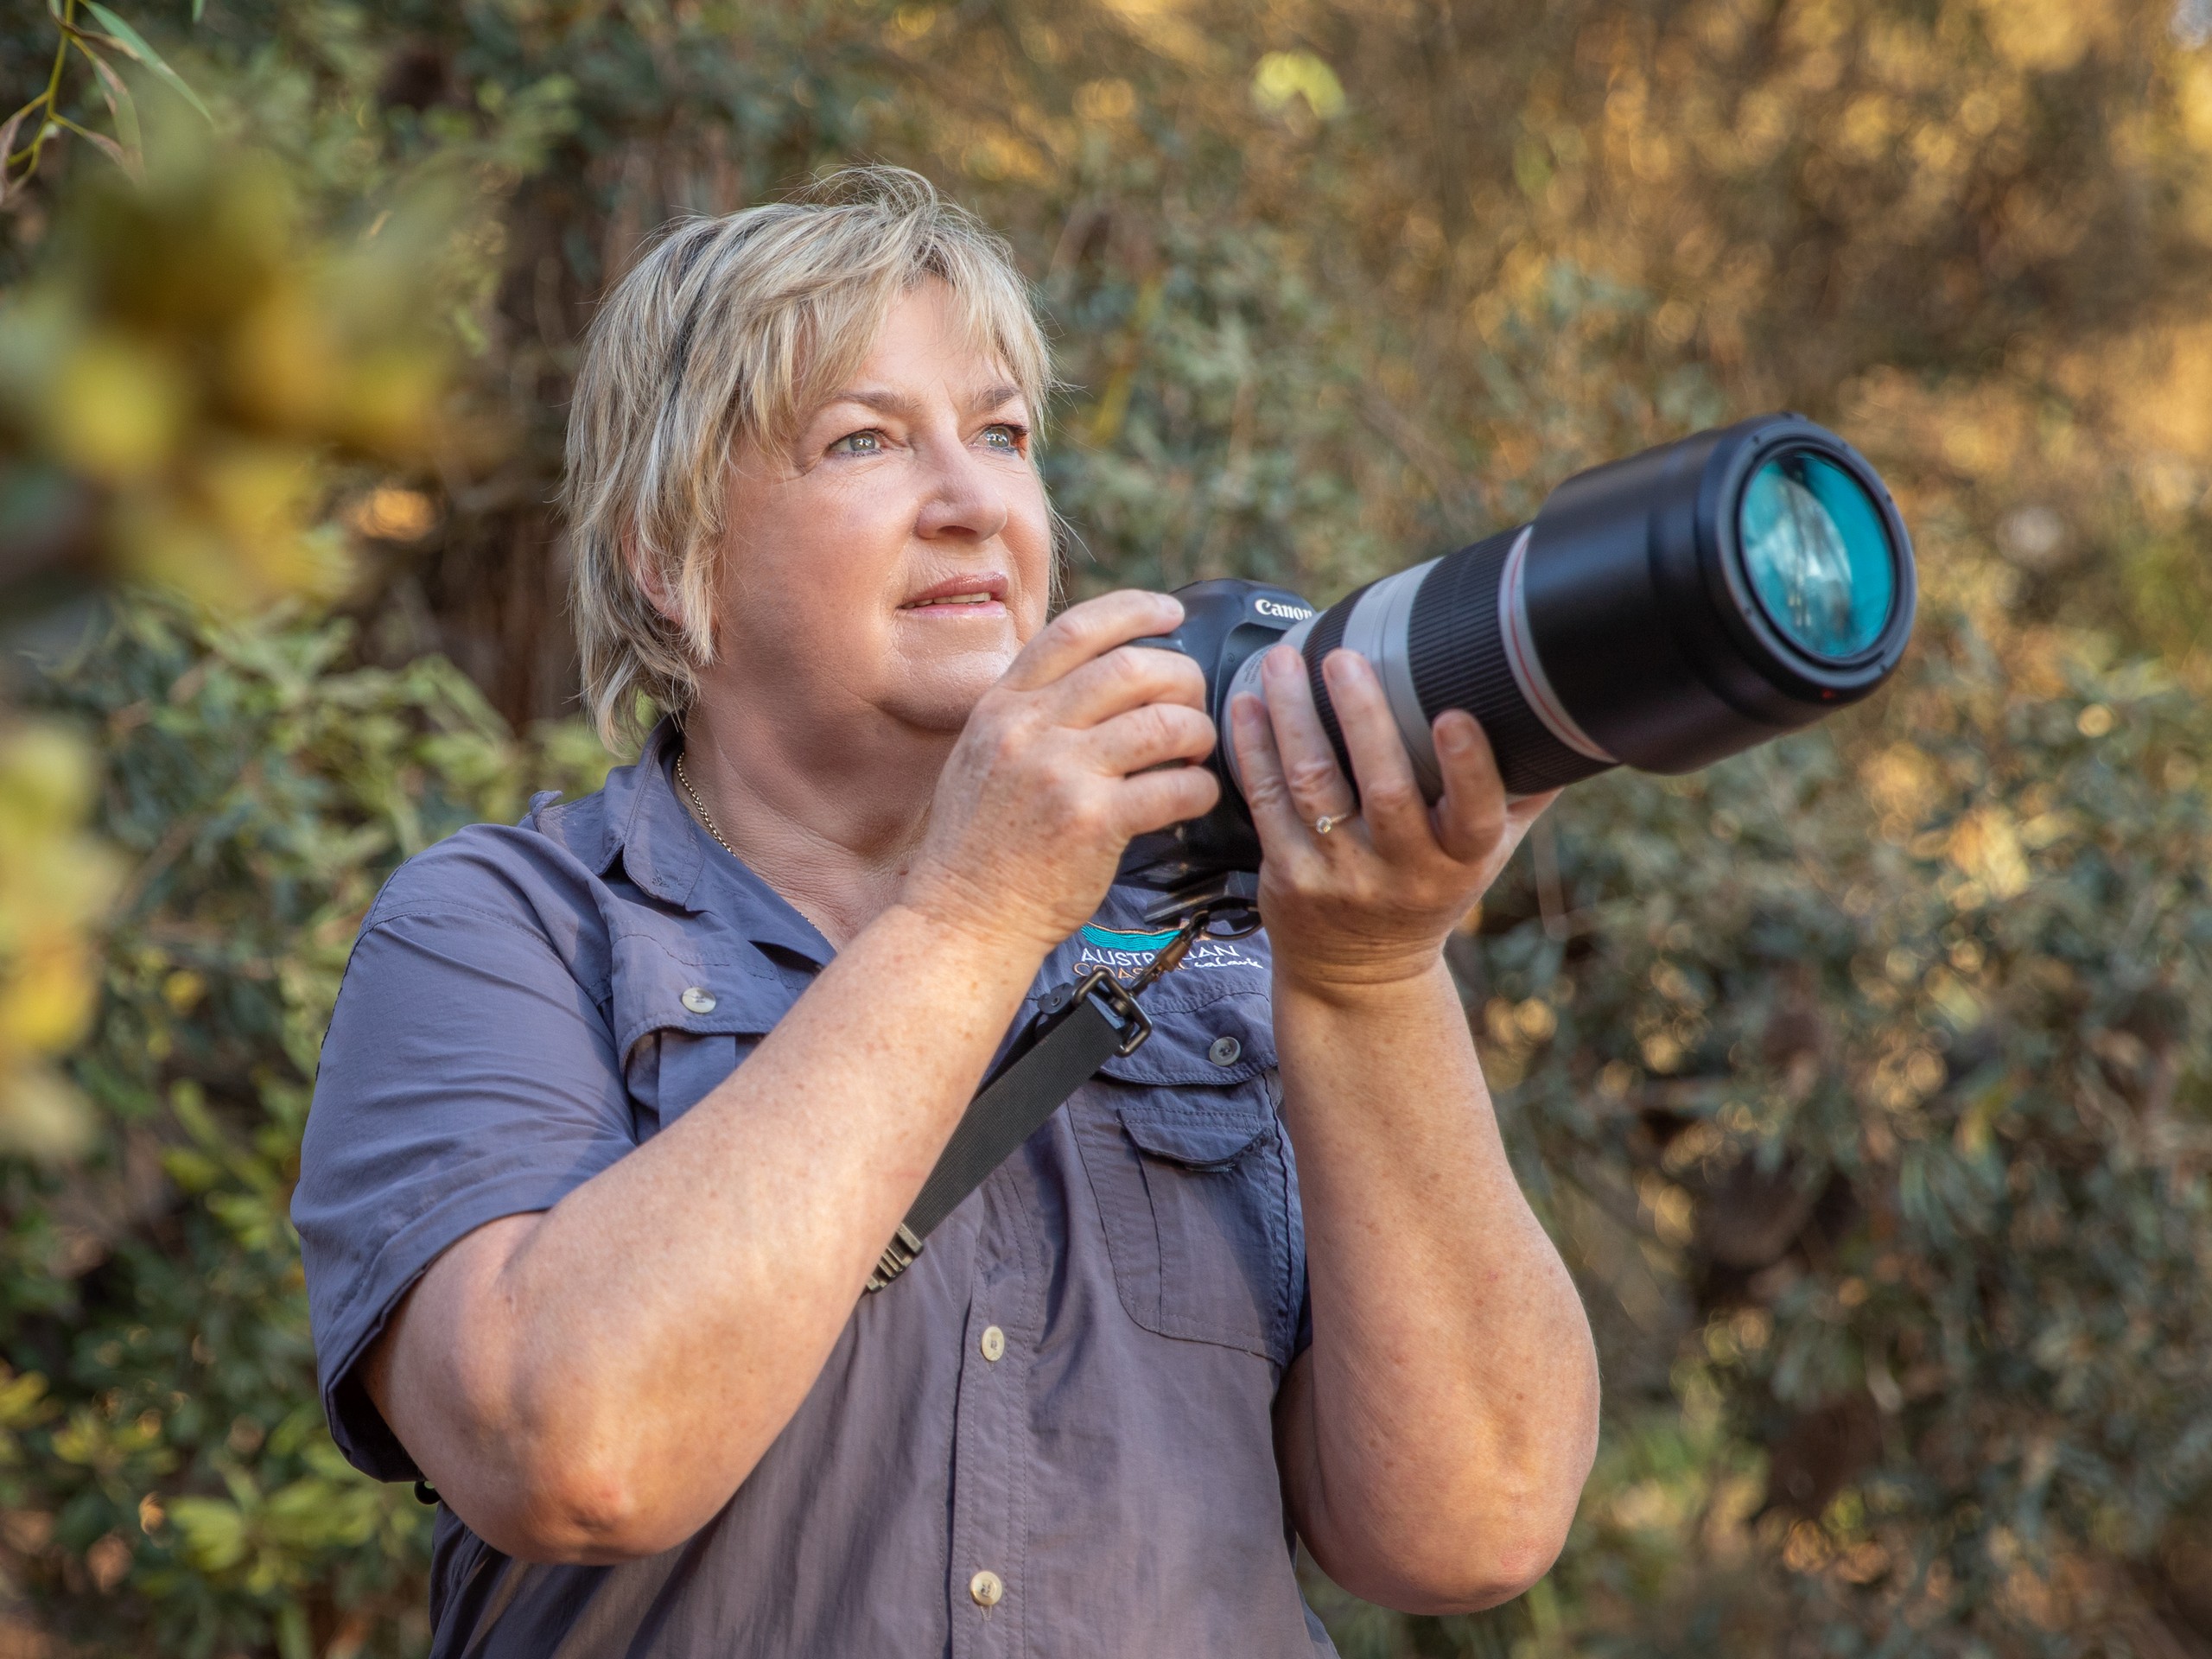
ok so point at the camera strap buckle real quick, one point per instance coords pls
(1078, 1029)
(1121, 1001)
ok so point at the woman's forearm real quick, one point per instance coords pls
(593, 1382)
(1438, 1432)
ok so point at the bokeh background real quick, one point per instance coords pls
(1863, 1079)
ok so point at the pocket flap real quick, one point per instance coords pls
(1202, 1140)
(1227, 1037)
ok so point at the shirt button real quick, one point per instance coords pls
(698, 999)
(994, 1344)
(987, 1589)
(1225, 1051)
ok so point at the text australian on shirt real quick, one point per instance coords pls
(1052, 1436)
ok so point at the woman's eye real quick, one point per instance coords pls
(1005, 435)
(869, 442)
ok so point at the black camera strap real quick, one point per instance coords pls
(1079, 1028)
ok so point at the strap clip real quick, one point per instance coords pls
(898, 1256)
(1120, 1003)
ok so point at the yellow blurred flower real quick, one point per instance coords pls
(54, 879)
(284, 361)
(209, 364)
(262, 496)
(116, 408)
(48, 1000)
(392, 402)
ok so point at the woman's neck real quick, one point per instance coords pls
(832, 834)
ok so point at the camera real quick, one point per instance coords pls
(1660, 613)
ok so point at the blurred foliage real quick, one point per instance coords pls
(54, 879)
(168, 1471)
(188, 366)
(1863, 1079)
(188, 377)
(1873, 1077)
(93, 40)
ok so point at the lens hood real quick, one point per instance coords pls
(1643, 615)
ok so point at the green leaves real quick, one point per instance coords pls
(1923, 1154)
(135, 43)
(164, 1406)
(120, 105)
(47, 111)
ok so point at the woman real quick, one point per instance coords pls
(618, 1106)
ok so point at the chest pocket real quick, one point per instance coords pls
(1193, 1177)
(685, 1019)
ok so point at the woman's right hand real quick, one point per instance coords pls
(1063, 761)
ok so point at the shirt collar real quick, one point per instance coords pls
(666, 851)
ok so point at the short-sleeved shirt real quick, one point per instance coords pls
(1071, 1390)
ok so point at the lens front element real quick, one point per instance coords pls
(1817, 554)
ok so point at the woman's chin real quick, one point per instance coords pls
(939, 696)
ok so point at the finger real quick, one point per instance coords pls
(1157, 735)
(1390, 802)
(1126, 678)
(1153, 800)
(1471, 817)
(1316, 783)
(1259, 772)
(1091, 629)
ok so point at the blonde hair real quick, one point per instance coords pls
(731, 329)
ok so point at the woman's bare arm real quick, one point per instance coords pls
(1435, 1437)
(592, 1384)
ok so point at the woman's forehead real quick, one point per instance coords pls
(928, 331)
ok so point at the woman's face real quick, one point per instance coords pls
(894, 559)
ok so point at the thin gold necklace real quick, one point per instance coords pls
(700, 807)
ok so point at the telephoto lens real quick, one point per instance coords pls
(1660, 613)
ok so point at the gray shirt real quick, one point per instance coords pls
(1070, 1392)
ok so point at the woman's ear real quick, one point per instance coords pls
(650, 581)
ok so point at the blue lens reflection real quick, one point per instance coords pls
(1817, 554)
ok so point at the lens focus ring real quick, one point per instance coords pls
(1457, 647)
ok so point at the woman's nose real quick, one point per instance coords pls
(963, 500)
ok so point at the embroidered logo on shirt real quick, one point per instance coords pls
(1127, 953)
(1107, 939)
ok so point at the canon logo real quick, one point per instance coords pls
(1288, 613)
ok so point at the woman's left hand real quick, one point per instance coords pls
(1370, 902)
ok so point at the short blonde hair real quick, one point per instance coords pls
(730, 330)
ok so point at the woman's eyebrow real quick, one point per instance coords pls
(902, 406)
(881, 400)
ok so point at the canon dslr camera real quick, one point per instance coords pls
(1660, 613)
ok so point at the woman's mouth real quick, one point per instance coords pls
(983, 595)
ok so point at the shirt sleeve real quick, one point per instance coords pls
(468, 1074)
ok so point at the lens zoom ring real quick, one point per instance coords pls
(1459, 662)
(1325, 635)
